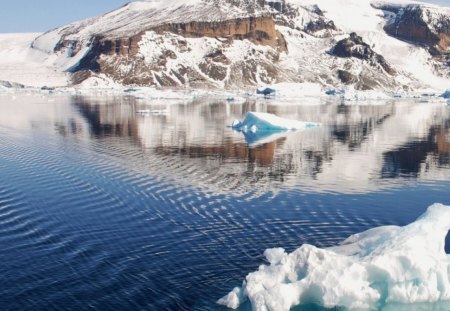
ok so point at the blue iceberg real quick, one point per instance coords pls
(260, 121)
(260, 128)
(446, 94)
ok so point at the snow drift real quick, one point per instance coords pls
(369, 270)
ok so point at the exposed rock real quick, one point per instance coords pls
(213, 70)
(346, 77)
(120, 51)
(313, 20)
(10, 85)
(320, 25)
(260, 30)
(354, 46)
(243, 43)
(217, 56)
(421, 24)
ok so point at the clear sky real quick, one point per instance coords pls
(43, 15)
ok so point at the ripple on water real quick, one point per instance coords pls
(108, 222)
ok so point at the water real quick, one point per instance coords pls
(103, 208)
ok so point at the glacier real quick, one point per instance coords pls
(388, 267)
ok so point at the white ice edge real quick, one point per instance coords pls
(387, 265)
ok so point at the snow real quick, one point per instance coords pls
(266, 122)
(369, 270)
(21, 64)
(137, 16)
(307, 68)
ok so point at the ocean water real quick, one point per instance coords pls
(105, 208)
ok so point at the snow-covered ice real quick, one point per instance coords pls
(384, 266)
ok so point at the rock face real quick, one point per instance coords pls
(242, 43)
(354, 46)
(429, 26)
(108, 55)
(8, 84)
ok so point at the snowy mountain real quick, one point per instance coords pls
(391, 45)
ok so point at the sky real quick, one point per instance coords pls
(43, 15)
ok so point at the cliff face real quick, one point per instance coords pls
(242, 43)
(423, 25)
(354, 46)
(260, 30)
(107, 55)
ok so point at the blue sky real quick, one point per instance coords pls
(42, 15)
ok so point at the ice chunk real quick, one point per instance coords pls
(382, 267)
(259, 121)
(233, 299)
(446, 94)
(267, 91)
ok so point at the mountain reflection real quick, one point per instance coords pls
(107, 120)
(358, 148)
(411, 159)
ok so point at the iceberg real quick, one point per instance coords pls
(382, 268)
(260, 121)
(265, 91)
(446, 94)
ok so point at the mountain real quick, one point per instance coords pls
(391, 45)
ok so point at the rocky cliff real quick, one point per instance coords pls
(420, 24)
(243, 43)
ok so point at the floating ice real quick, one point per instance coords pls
(259, 121)
(383, 266)
(267, 91)
(446, 94)
(260, 128)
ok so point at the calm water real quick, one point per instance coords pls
(102, 208)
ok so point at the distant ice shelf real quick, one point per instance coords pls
(386, 268)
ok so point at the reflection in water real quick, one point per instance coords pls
(100, 205)
(358, 149)
(419, 157)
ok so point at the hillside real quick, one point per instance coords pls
(395, 46)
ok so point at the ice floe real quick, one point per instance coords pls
(376, 269)
(260, 121)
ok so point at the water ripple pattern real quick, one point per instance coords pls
(102, 209)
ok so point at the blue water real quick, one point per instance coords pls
(102, 208)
